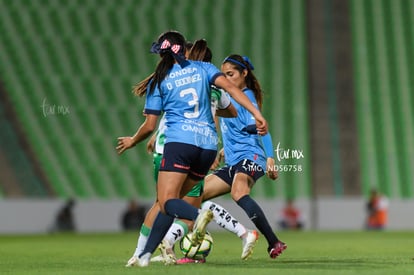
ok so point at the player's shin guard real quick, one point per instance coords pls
(257, 216)
(224, 219)
(142, 239)
(180, 209)
(176, 232)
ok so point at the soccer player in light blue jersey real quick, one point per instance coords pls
(181, 89)
(248, 156)
(221, 106)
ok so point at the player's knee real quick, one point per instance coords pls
(237, 195)
(162, 203)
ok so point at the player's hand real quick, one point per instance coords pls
(124, 143)
(261, 125)
(271, 170)
(218, 160)
(151, 145)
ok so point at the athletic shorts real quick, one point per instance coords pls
(196, 191)
(188, 159)
(246, 166)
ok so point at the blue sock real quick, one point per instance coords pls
(180, 209)
(162, 223)
(259, 219)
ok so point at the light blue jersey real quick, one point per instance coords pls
(185, 97)
(238, 143)
(219, 100)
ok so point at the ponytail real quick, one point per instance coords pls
(165, 64)
(200, 51)
(141, 88)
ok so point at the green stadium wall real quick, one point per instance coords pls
(68, 68)
(383, 54)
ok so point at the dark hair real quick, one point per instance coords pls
(200, 51)
(188, 45)
(241, 64)
(141, 88)
(197, 51)
(167, 59)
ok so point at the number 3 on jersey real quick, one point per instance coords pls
(192, 102)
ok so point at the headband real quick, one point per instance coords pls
(175, 50)
(245, 58)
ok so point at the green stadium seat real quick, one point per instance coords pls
(88, 54)
(89, 91)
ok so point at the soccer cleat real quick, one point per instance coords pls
(132, 262)
(144, 260)
(167, 252)
(190, 261)
(200, 225)
(136, 261)
(277, 249)
(249, 243)
(158, 258)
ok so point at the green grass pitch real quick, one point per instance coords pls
(307, 253)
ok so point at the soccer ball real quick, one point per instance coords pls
(200, 251)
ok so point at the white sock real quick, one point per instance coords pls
(176, 232)
(142, 240)
(146, 256)
(224, 219)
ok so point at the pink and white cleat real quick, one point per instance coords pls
(191, 261)
(277, 249)
(249, 243)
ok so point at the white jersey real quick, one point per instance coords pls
(219, 100)
(160, 138)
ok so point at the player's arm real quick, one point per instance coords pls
(151, 143)
(230, 111)
(219, 159)
(224, 106)
(144, 131)
(270, 161)
(267, 143)
(243, 100)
